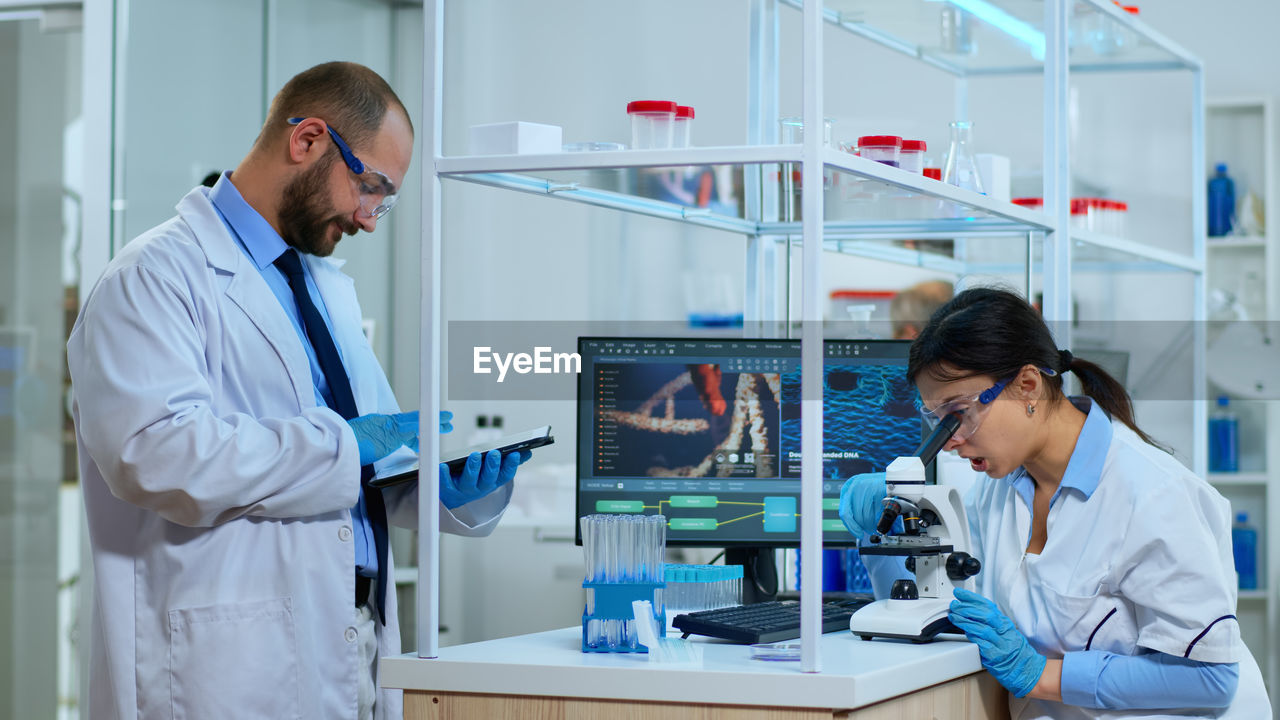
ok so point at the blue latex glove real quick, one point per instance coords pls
(446, 422)
(477, 478)
(1005, 651)
(860, 503)
(380, 435)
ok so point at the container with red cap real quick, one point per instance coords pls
(1119, 217)
(881, 148)
(1103, 215)
(911, 157)
(1108, 216)
(652, 123)
(1079, 213)
(1030, 203)
(684, 126)
(869, 309)
(933, 173)
(1096, 214)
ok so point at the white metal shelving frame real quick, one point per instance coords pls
(763, 231)
(1267, 481)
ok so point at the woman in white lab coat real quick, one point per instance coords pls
(1107, 587)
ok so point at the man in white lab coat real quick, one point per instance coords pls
(227, 409)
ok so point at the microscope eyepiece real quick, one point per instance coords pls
(929, 449)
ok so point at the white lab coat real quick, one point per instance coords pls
(1144, 562)
(218, 495)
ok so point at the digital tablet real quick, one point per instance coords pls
(455, 459)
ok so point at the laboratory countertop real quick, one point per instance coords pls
(855, 673)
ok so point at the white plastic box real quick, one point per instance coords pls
(515, 138)
(995, 172)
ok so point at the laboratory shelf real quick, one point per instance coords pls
(1238, 478)
(574, 190)
(1005, 36)
(925, 207)
(611, 159)
(873, 174)
(900, 255)
(1119, 254)
(1243, 242)
(1252, 595)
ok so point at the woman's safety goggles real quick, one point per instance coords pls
(972, 410)
(377, 193)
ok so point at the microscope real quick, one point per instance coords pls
(935, 540)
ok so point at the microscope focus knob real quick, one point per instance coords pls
(961, 565)
(904, 589)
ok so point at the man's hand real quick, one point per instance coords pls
(380, 435)
(479, 477)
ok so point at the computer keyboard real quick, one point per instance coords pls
(764, 622)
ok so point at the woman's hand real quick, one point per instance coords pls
(1006, 652)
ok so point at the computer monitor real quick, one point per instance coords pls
(707, 432)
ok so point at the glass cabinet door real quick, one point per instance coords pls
(40, 183)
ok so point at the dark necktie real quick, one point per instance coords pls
(344, 403)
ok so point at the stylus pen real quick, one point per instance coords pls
(928, 450)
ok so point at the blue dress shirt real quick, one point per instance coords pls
(262, 244)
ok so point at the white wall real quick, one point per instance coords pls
(188, 106)
(1236, 41)
(218, 83)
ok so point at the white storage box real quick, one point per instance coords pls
(515, 138)
(994, 171)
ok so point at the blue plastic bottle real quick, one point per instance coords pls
(1222, 202)
(1224, 438)
(1244, 546)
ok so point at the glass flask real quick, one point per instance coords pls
(962, 168)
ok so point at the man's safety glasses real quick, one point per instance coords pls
(377, 193)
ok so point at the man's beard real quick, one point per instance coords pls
(304, 220)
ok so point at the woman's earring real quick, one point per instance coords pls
(1031, 409)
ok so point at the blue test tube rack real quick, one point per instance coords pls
(613, 602)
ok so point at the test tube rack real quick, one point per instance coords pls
(612, 601)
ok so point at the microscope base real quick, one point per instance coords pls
(919, 621)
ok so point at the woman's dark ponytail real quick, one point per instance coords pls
(991, 331)
(1108, 393)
